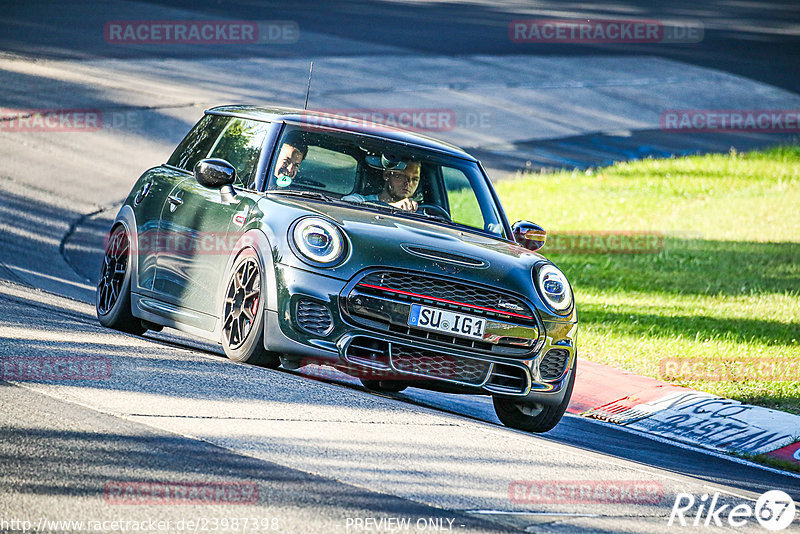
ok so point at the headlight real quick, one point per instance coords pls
(554, 288)
(318, 240)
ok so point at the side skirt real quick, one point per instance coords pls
(170, 315)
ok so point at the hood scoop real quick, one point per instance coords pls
(443, 255)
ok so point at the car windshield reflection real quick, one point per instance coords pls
(378, 174)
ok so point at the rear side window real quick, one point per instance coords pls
(198, 142)
(240, 145)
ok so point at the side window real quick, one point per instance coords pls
(198, 142)
(240, 145)
(464, 207)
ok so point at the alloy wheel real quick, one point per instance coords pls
(115, 265)
(241, 302)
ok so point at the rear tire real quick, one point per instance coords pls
(113, 296)
(243, 313)
(534, 417)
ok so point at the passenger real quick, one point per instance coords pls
(398, 188)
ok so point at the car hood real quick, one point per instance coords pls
(383, 239)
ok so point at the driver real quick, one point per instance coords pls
(398, 188)
(290, 156)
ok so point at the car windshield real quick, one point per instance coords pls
(379, 174)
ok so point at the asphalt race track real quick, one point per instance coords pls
(323, 454)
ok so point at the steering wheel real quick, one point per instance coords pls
(435, 211)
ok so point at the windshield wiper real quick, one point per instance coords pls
(306, 194)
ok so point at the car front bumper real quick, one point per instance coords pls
(375, 354)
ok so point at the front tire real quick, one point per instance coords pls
(534, 417)
(243, 314)
(113, 296)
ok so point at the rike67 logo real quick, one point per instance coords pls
(774, 510)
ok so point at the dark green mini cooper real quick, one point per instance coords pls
(293, 237)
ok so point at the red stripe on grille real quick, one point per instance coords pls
(503, 312)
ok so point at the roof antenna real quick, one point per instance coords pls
(308, 89)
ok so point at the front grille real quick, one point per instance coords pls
(381, 300)
(435, 365)
(436, 336)
(314, 317)
(398, 358)
(413, 287)
(554, 364)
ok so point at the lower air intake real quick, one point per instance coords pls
(314, 317)
(435, 365)
(554, 364)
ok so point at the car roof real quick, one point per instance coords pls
(339, 122)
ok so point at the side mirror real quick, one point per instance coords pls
(216, 174)
(529, 235)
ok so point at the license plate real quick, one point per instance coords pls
(446, 322)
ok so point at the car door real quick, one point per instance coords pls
(154, 187)
(199, 227)
(148, 202)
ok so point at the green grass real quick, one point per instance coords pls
(725, 286)
(772, 462)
